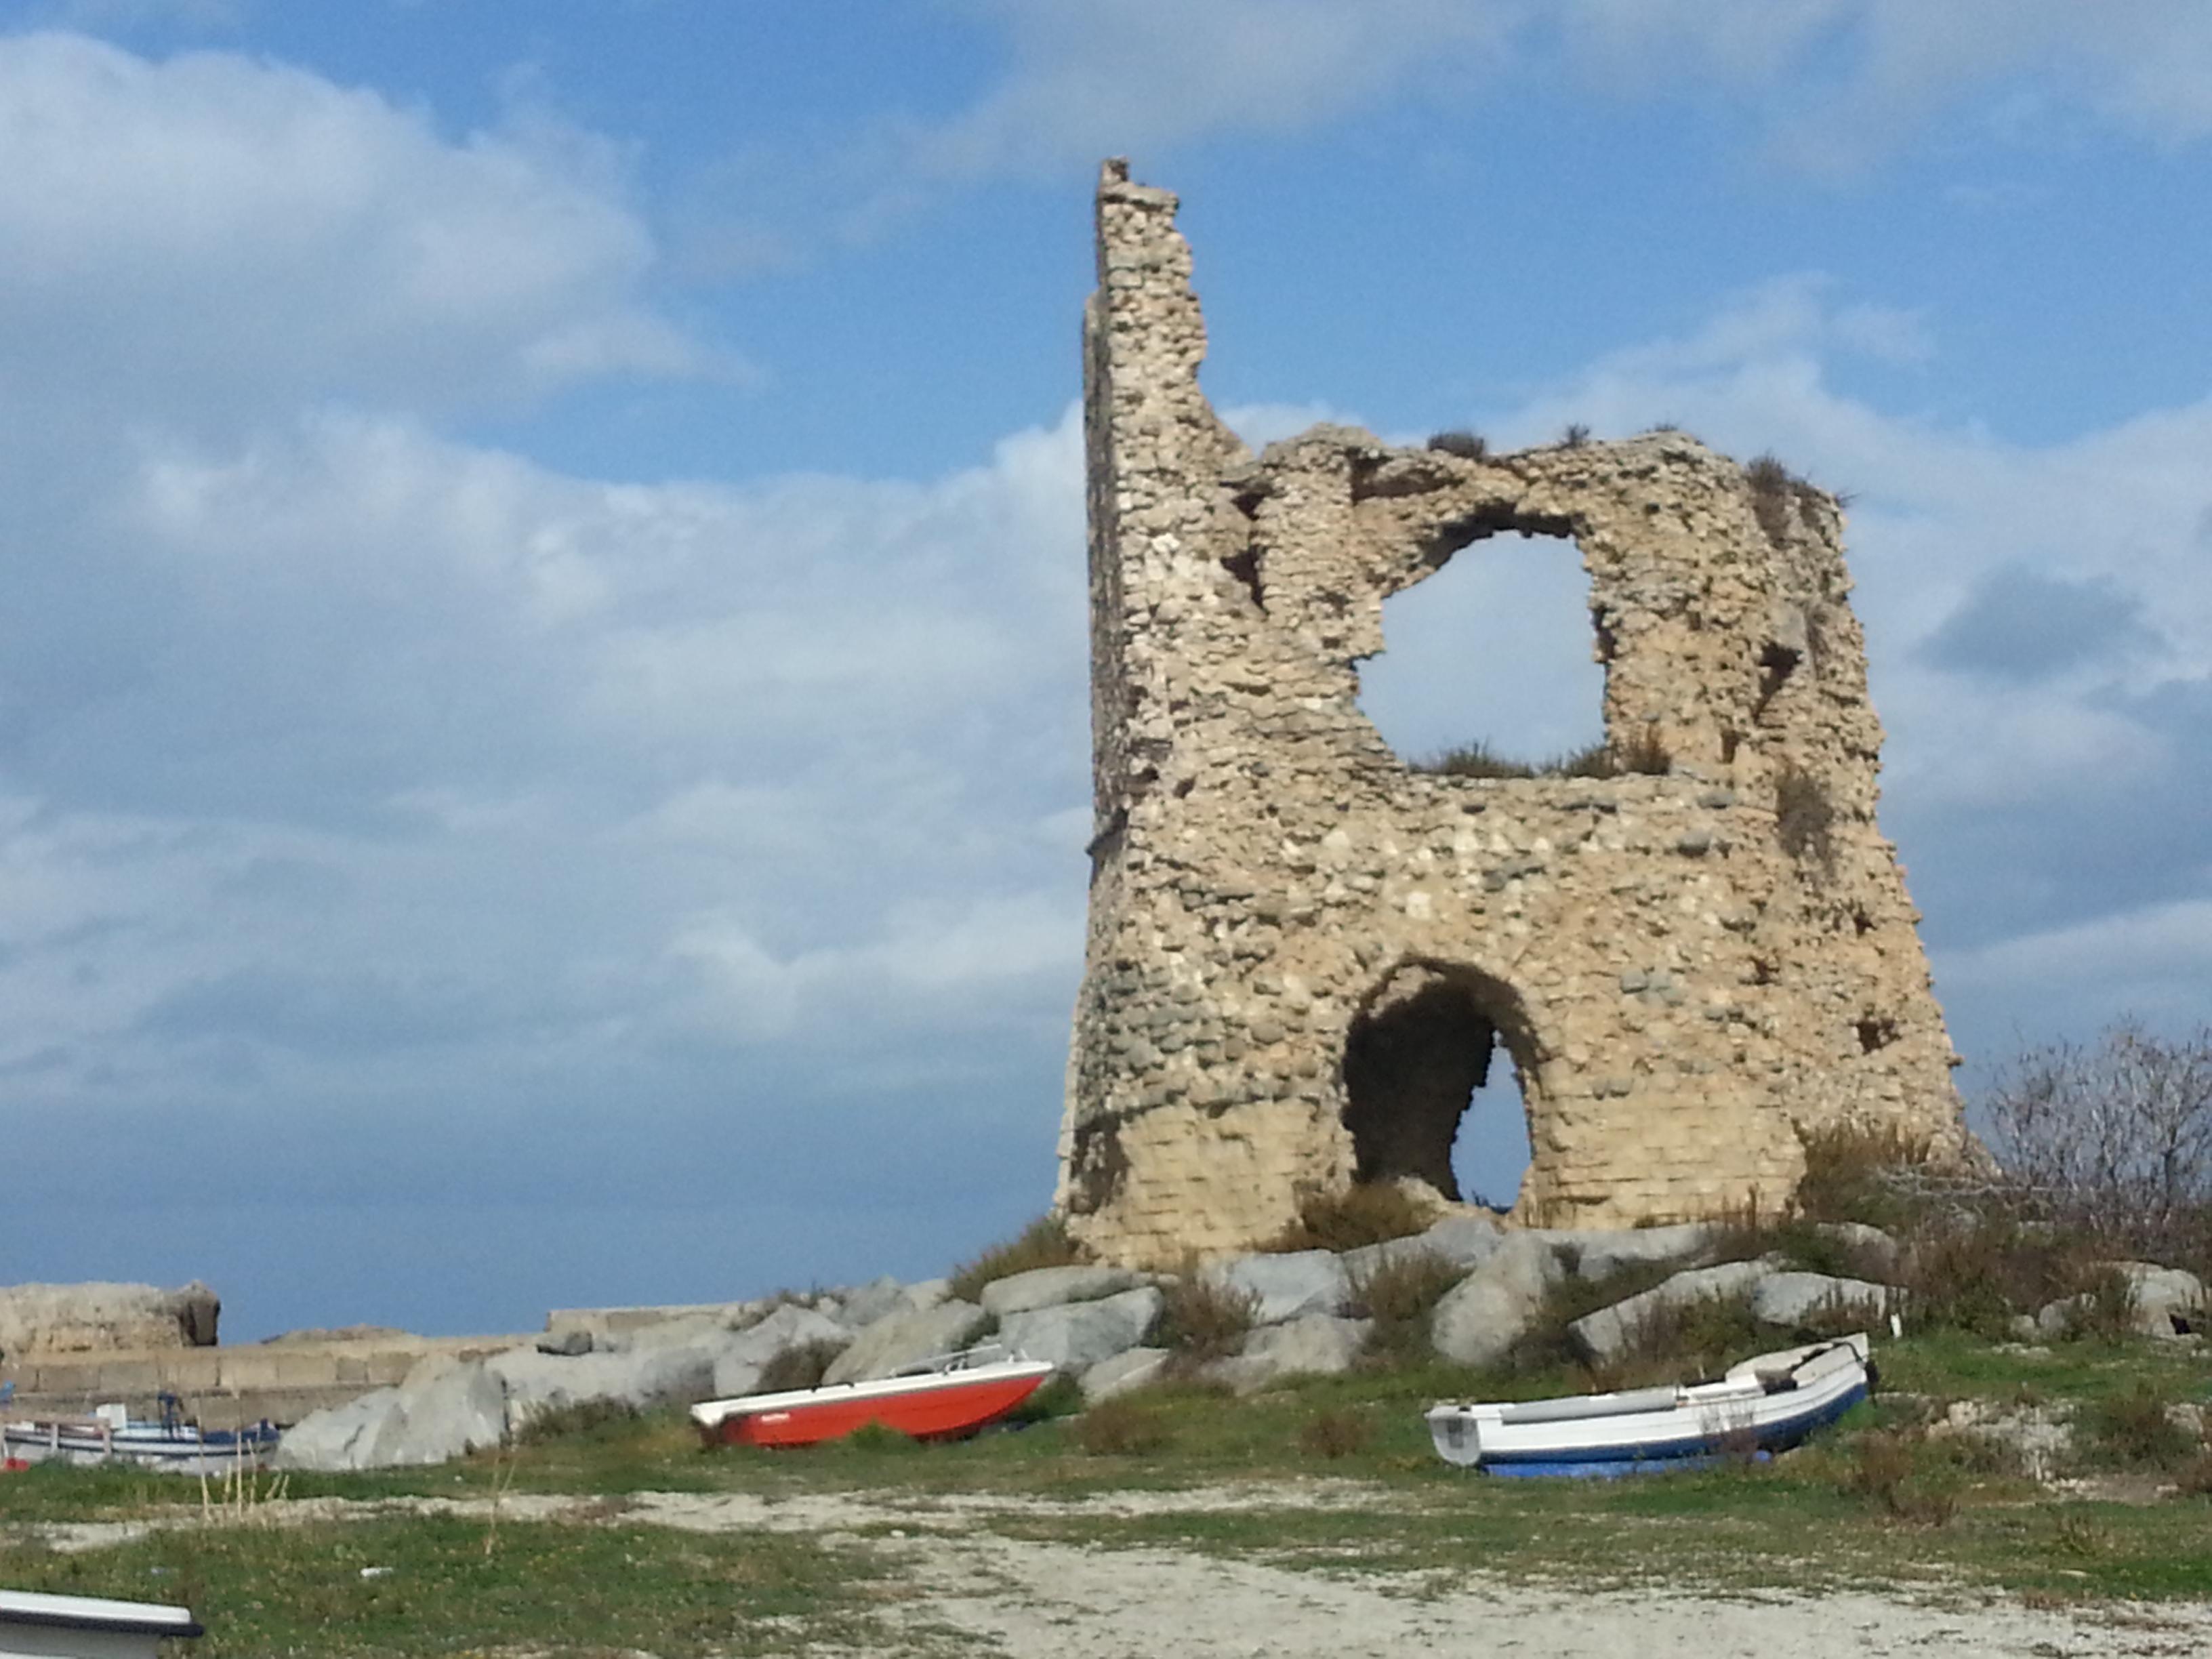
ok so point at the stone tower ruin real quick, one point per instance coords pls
(1303, 955)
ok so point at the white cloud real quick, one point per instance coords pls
(213, 236)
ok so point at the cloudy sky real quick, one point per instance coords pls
(543, 751)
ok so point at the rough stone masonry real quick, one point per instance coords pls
(1303, 955)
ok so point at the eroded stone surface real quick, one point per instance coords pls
(1302, 954)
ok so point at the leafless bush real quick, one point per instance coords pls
(1467, 446)
(2116, 1137)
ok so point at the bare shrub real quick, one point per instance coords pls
(1853, 1170)
(1645, 753)
(1575, 436)
(1365, 1213)
(1805, 817)
(1333, 1435)
(1888, 1468)
(1044, 1243)
(1202, 1320)
(2115, 1138)
(1399, 1293)
(1120, 1428)
(799, 1366)
(1467, 446)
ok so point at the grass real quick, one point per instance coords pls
(1883, 1500)
(1044, 1243)
(1645, 754)
(1202, 1321)
(429, 1583)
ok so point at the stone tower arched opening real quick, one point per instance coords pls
(1423, 1040)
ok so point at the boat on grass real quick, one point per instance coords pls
(937, 1399)
(1766, 1404)
(89, 1626)
(111, 1435)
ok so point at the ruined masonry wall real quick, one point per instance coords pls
(1685, 969)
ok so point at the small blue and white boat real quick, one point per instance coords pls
(1766, 1404)
(111, 1435)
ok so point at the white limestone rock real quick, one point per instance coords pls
(94, 1316)
(904, 1339)
(1791, 1299)
(1050, 1287)
(638, 1378)
(1123, 1373)
(1480, 1319)
(1286, 1286)
(1077, 1335)
(1313, 1345)
(1604, 1334)
(746, 1354)
(336, 1437)
(1599, 1253)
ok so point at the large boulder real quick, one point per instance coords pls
(1603, 1335)
(1796, 1299)
(1077, 1335)
(2168, 1301)
(639, 1378)
(338, 1437)
(1865, 1249)
(1286, 1286)
(446, 1409)
(1131, 1369)
(1464, 1242)
(2164, 1301)
(1480, 1318)
(1314, 1344)
(900, 1340)
(1599, 1252)
(1050, 1287)
(91, 1318)
(744, 1356)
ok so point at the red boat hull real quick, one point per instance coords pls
(927, 1414)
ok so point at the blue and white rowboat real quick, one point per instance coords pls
(1767, 1404)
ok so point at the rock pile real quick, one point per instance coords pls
(1307, 1309)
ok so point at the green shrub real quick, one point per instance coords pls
(1365, 1213)
(575, 1417)
(1852, 1173)
(1044, 1243)
(2132, 1430)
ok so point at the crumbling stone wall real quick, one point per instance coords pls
(1302, 954)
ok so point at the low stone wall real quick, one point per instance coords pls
(280, 1381)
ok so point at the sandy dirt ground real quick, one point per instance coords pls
(991, 1594)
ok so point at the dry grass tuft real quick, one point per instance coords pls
(1399, 1293)
(1120, 1428)
(1467, 446)
(1044, 1243)
(1366, 1212)
(1333, 1435)
(798, 1367)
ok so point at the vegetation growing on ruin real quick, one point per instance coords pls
(1645, 754)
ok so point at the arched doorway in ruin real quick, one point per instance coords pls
(1430, 1039)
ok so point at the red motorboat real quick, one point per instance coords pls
(940, 1400)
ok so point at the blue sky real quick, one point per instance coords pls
(542, 721)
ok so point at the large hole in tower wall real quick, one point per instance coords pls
(1430, 1092)
(1497, 648)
